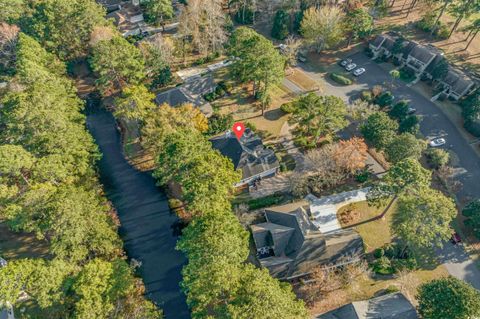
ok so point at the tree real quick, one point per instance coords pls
(404, 146)
(13, 10)
(360, 110)
(322, 28)
(351, 154)
(394, 74)
(379, 130)
(448, 298)
(256, 60)
(280, 25)
(400, 110)
(442, 11)
(463, 9)
(472, 212)
(158, 55)
(203, 21)
(437, 157)
(359, 24)
(135, 103)
(404, 175)
(440, 70)
(165, 120)
(422, 219)
(117, 63)
(261, 296)
(411, 124)
(318, 116)
(8, 46)
(158, 11)
(291, 50)
(474, 29)
(64, 26)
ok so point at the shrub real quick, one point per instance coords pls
(437, 157)
(251, 126)
(366, 95)
(267, 201)
(383, 266)
(362, 176)
(472, 126)
(407, 74)
(219, 123)
(340, 79)
(288, 107)
(391, 289)
(379, 253)
(244, 16)
(442, 32)
(227, 87)
(384, 99)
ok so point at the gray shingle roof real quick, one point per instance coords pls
(423, 53)
(377, 42)
(391, 306)
(300, 246)
(247, 154)
(458, 81)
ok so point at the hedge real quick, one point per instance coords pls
(340, 79)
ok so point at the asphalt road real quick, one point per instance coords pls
(434, 124)
(148, 228)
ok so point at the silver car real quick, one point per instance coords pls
(359, 71)
(350, 67)
(437, 142)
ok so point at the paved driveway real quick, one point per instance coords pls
(434, 123)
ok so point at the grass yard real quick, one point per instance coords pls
(375, 233)
(303, 81)
(20, 245)
(242, 106)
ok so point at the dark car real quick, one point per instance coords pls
(455, 239)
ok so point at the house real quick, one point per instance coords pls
(128, 18)
(390, 306)
(248, 154)
(382, 45)
(456, 84)
(289, 245)
(419, 56)
(190, 92)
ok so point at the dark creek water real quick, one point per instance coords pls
(148, 228)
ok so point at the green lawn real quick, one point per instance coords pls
(375, 233)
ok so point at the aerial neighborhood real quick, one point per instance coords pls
(250, 159)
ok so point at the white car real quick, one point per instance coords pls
(411, 110)
(350, 66)
(359, 71)
(345, 62)
(437, 142)
(3, 262)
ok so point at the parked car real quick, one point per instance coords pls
(359, 71)
(3, 262)
(345, 62)
(350, 67)
(411, 110)
(455, 239)
(437, 142)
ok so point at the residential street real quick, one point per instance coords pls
(434, 124)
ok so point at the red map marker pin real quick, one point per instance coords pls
(238, 128)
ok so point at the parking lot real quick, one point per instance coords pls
(434, 123)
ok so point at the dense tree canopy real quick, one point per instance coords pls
(404, 146)
(472, 212)
(448, 298)
(322, 28)
(359, 24)
(379, 130)
(319, 116)
(422, 219)
(64, 26)
(48, 187)
(117, 64)
(256, 60)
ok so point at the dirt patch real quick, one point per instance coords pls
(15, 245)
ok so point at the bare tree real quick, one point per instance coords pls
(8, 43)
(101, 33)
(203, 22)
(291, 50)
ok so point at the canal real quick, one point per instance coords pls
(148, 228)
